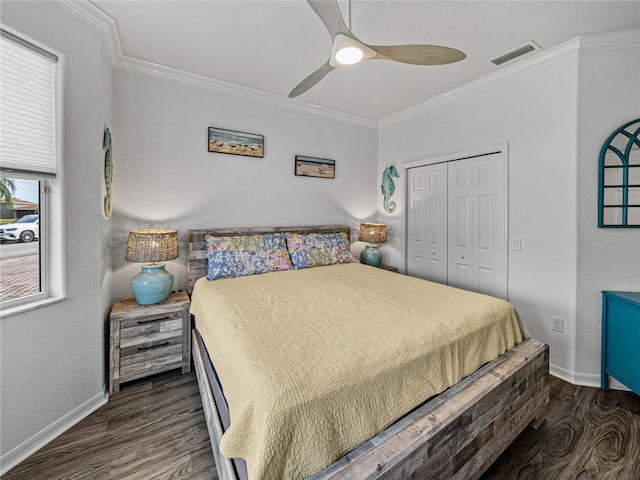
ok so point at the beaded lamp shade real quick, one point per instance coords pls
(152, 245)
(373, 233)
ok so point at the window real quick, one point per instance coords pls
(27, 168)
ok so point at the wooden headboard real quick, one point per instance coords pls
(197, 254)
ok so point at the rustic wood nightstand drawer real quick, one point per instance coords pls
(155, 345)
(143, 330)
(149, 339)
(131, 345)
(147, 361)
(144, 354)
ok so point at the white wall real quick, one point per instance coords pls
(534, 112)
(52, 359)
(608, 259)
(165, 177)
(107, 222)
(549, 109)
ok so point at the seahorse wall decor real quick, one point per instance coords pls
(108, 171)
(388, 188)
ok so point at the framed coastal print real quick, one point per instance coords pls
(235, 143)
(315, 167)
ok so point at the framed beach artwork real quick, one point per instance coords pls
(315, 167)
(235, 143)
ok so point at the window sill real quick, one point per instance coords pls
(26, 307)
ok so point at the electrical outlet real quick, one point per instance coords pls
(517, 243)
(557, 324)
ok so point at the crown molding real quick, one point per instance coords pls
(526, 65)
(202, 81)
(590, 43)
(102, 22)
(610, 41)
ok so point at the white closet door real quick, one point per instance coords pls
(461, 223)
(477, 224)
(427, 225)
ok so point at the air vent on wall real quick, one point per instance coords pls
(518, 52)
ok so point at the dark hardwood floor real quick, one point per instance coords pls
(587, 434)
(152, 429)
(155, 429)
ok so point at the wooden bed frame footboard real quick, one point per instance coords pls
(457, 434)
(462, 431)
(224, 466)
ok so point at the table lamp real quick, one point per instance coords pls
(153, 283)
(373, 234)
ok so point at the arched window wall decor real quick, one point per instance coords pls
(619, 183)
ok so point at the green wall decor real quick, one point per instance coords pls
(108, 171)
(388, 188)
(619, 179)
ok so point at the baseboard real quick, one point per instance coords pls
(40, 439)
(584, 379)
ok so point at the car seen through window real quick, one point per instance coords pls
(24, 229)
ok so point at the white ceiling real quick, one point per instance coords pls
(273, 45)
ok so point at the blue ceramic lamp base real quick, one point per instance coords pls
(371, 255)
(152, 285)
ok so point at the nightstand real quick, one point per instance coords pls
(149, 339)
(389, 268)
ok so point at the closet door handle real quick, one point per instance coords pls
(461, 256)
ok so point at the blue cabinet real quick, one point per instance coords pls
(621, 339)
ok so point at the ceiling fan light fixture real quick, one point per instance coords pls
(345, 42)
(349, 55)
(347, 51)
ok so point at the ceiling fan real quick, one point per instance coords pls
(348, 49)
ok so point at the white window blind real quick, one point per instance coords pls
(27, 107)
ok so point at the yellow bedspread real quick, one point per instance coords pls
(314, 362)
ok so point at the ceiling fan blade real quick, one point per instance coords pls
(311, 80)
(418, 54)
(329, 13)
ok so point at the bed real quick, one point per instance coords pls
(456, 432)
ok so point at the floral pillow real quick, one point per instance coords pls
(242, 255)
(318, 249)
